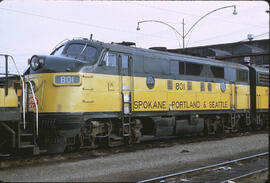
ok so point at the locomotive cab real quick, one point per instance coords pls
(66, 89)
(69, 57)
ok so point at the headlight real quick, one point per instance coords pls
(36, 62)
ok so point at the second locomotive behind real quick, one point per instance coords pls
(90, 93)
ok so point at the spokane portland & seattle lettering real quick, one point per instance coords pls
(149, 105)
(180, 104)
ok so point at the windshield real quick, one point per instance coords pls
(82, 51)
(58, 51)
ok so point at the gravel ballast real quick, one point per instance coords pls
(142, 164)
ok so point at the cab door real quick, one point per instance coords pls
(126, 82)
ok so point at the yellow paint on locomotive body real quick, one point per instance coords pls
(199, 96)
(145, 99)
(103, 93)
(243, 97)
(209, 97)
(96, 93)
(11, 100)
(262, 98)
(2, 95)
(180, 97)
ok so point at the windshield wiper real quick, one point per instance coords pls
(82, 50)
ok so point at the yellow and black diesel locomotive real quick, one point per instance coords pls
(16, 135)
(90, 93)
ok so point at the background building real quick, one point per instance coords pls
(257, 51)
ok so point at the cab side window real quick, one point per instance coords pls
(124, 61)
(109, 59)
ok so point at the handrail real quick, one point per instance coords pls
(36, 105)
(58, 44)
(5, 55)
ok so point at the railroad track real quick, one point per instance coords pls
(245, 176)
(8, 160)
(221, 172)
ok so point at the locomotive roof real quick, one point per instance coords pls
(160, 54)
(260, 69)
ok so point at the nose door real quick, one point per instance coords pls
(233, 100)
(126, 80)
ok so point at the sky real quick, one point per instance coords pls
(29, 27)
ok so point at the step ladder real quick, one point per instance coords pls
(26, 138)
(126, 126)
(258, 119)
(233, 120)
(248, 121)
(27, 132)
(126, 112)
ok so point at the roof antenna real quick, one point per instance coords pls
(91, 36)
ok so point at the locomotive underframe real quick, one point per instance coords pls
(57, 135)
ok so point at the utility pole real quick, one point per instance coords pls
(183, 34)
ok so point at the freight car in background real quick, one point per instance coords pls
(90, 93)
(16, 135)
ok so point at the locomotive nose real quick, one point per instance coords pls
(53, 64)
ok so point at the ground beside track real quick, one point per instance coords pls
(257, 178)
(141, 164)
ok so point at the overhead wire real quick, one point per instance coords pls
(76, 22)
(103, 27)
(214, 37)
(177, 39)
(189, 36)
(189, 14)
(162, 9)
(86, 24)
(219, 35)
(177, 12)
(59, 19)
(257, 36)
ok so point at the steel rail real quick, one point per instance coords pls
(245, 175)
(202, 168)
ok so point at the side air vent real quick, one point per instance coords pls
(263, 78)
